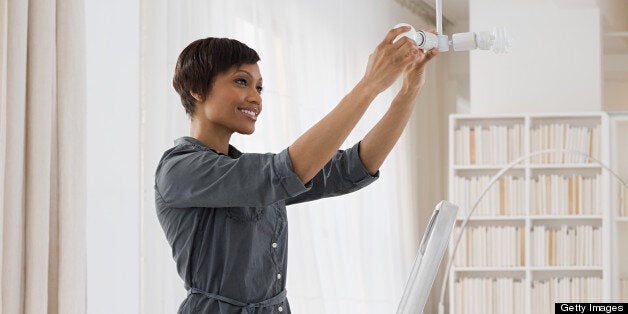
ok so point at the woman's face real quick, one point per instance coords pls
(235, 101)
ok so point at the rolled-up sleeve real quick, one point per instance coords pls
(344, 173)
(192, 178)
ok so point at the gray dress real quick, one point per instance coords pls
(226, 222)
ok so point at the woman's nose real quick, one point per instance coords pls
(254, 96)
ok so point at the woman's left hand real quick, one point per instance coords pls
(414, 73)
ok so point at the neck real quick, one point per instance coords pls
(211, 135)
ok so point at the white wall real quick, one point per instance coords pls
(554, 64)
(113, 198)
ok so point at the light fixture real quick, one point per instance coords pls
(497, 40)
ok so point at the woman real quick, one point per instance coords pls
(224, 212)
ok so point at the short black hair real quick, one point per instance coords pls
(201, 61)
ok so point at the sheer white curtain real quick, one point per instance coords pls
(350, 254)
(42, 157)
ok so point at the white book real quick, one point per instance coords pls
(486, 136)
(580, 194)
(542, 186)
(588, 148)
(540, 144)
(583, 141)
(568, 144)
(559, 142)
(590, 195)
(464, 142)
(576, 138)
(505, 159)
(595, 199)
(563, 138)
(545, 143)
(533, 140)
(464, 135)
(585, 191)
(550, 143)
(577, 141)
(497, 145)
(457, 149)
(505, 139)
(478, 145)
(512, 143)
(597, 142)
(556, 142)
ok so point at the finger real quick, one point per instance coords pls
(406, 50)
(423, 57)
(402, 42)
(393, 33)
(423, 54)
(431, 54)
(410, 55)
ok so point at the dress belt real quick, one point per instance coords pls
(246, 307)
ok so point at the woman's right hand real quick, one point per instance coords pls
(312, 150)
(389, 59)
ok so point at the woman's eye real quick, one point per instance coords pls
(241, 82)
(260, 89)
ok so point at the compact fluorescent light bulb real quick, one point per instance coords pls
(497, 40)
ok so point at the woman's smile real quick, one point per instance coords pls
(250, 113)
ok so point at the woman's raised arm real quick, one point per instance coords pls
(378, 143)
(312, 150)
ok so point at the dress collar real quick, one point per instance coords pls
(233, 152)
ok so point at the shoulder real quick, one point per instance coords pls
(184, 155)
(181, 151)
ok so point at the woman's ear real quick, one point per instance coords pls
(196, 96)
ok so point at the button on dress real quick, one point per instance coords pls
(226, 222)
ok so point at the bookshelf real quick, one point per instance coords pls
(528, 233)
(619, 198)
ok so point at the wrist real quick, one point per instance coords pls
(410, 91)
(364, 88)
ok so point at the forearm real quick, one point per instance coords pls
(378, 143)
(312, 150)
(380, 140)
